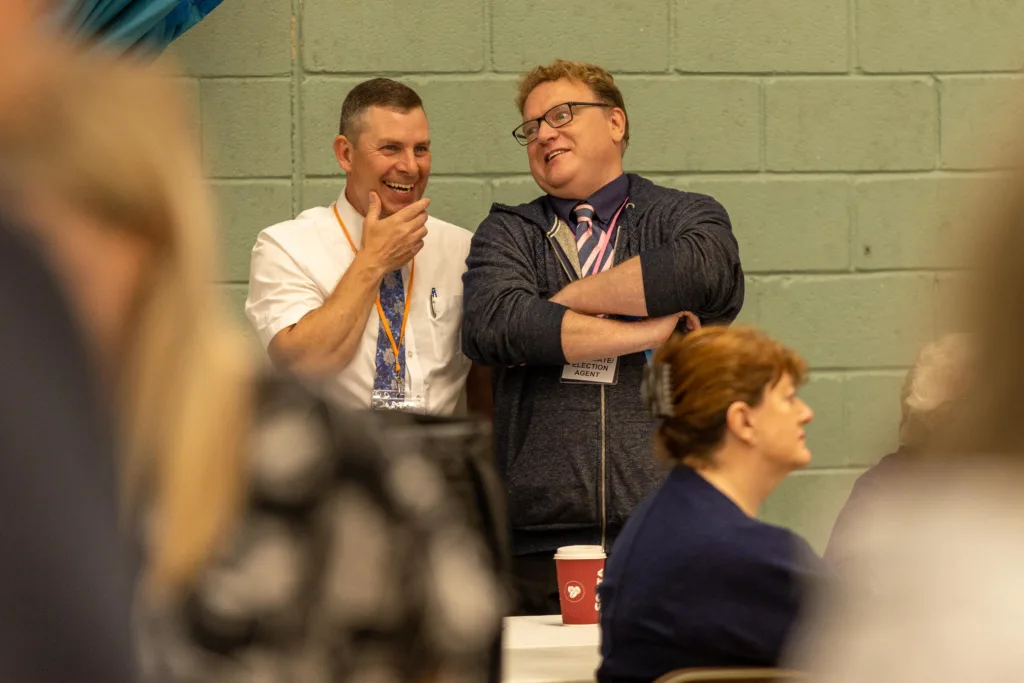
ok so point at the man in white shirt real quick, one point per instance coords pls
(367, 293)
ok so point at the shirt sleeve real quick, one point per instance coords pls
(505, 320)
(698, 268)
(281, 292)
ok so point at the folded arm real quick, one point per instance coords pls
(696, 269)
(506, 322)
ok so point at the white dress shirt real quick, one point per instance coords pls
(297, 264)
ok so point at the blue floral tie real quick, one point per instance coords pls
(392, 300)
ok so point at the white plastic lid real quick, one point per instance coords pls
(580, 552)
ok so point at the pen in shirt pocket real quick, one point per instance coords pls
(433, 297)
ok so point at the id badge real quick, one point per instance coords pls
(600, 371)
(382, 399)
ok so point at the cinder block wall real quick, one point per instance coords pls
(839, 134)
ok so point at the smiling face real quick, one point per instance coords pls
(579, 158)
(390, 155)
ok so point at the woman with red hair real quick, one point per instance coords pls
(695, 580)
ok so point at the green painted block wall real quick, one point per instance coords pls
(845, 137)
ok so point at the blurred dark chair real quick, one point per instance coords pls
(731, 674)
(462, 448)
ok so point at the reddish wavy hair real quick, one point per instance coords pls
(600, 82)
(709, 370)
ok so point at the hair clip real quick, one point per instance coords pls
(656, 389)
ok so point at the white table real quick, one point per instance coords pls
(542, 650)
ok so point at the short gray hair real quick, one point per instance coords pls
(931, 386)
(376, 92)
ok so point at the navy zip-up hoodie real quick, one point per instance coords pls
(576, 458)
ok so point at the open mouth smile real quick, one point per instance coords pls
(552, 154)
(399, 188)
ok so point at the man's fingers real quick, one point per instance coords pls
(412, 226)
(373, 211)
(409, 251)
(412, 210)
(413, 238)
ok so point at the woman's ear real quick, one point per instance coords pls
(739, 421)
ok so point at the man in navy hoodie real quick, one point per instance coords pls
(562, 298)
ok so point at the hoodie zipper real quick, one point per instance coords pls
(604, 450)
(550, 234)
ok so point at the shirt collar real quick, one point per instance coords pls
(353, 219)
(605, 201)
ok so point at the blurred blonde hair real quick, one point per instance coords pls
(931, 387)
(988, 420)
(117, 141)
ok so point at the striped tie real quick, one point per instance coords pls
(588, 235)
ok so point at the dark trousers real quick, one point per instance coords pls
(535, 583)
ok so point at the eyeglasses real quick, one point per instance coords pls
(556, 117)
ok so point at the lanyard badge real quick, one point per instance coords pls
(395, 345)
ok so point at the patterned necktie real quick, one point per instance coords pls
(588, 235)
(392, 300)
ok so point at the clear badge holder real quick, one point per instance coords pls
(401, 401)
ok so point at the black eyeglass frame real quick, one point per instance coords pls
(544, 119)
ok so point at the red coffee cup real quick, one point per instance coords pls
(580, 569)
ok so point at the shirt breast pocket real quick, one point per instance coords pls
(445, 326)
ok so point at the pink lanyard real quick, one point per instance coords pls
(602, 244)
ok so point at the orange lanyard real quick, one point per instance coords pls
(380, 309)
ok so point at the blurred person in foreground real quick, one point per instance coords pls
(929, 394)
(65, 572)
(695, 580)
(932, 590)
(281, 541)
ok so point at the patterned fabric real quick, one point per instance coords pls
(606, 201)
(131, 25)
(587, 237)
(392, 300)
(593, 242)
(349, 565)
